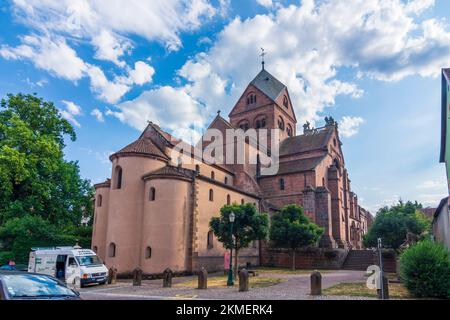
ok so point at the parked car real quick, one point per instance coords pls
(7, 267)
(17, 285)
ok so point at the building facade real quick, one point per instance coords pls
(154, 211)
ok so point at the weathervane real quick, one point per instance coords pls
(263, 53)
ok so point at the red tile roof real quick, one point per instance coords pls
(143, 146)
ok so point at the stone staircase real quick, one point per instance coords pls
(358, 260)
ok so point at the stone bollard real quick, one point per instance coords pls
(112, 275)
(137, 277)
(203, 279)
(316, 283)
(167, 278)
(243, 280)
(385, 288)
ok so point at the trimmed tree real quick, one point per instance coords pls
(292, 229)
(249, 225)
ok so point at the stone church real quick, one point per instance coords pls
(154, 211)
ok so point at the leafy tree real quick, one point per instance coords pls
(393, 223)
(35, 179)
(249, 225)
(292, 229)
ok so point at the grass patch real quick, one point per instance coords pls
(287, 271)
(359, 289)
(221, 282)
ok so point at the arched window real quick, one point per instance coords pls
(197, 168)
(282, 184)
(152, 194)
(210, 240)
(243, 125)
(228, 199)
(99, 200)
(242, 201)
(95, 249)
(213, 175)
(118, 177)
(148, 253)
(260, 122)
(285, 102)
(112, 250)
(251, 98)
(289, 130)
(211, 195)
(281, 123)
(225, 180)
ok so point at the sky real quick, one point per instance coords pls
(110, 66)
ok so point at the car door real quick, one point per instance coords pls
(72, 270)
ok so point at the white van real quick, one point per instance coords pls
(68, 263)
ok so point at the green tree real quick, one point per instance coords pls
(35, 179)
(393, 223)
(292, 229)
(249, 225)
(425, 269)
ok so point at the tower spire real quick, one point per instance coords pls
(263, 53)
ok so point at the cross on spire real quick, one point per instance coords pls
(263, 53)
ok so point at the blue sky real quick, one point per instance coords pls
(373, 65)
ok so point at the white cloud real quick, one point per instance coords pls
(171, 108)
(53, 55)
(107, 23)
(110, 47)
(349, 126)
(98, 115)
(71, 111)
(107, 26)
(142, 73)
(265, 3)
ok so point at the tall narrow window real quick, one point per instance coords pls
(285, 102)
(99, 200)
(152, 194)
(242, 201)
(118, 177)
(225, 180)
(210, 240)
(289, 130)
(112, 250)
(228, 199)
(148, 253)
(211, 195)
(213, 175)
(281, 123)
(281, 184)
(197, 168)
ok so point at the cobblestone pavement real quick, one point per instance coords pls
(296, 287)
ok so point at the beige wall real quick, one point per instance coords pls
(100, 221)
(125, 211)
(208, 209)
(165, 225)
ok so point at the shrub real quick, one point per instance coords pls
(425, 270)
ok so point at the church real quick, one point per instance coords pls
(154, 211)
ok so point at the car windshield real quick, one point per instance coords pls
(33, 285)
(88, 260)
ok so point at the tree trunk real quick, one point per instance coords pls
(235, 263)
(293, 259)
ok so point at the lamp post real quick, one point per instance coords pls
(230, 281)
